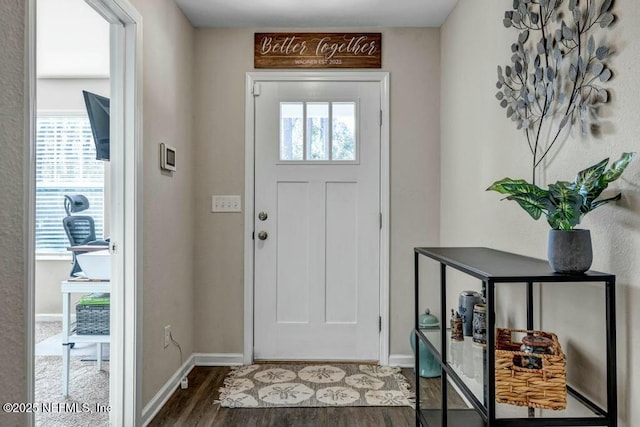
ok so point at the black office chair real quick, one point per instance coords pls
(80, 229)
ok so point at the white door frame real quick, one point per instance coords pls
(249, 191)
(126, 208)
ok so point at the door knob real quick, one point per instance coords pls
(262, 216)
(263, 235)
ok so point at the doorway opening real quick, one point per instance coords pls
(84, 235)
(71, 210)
(317, 216)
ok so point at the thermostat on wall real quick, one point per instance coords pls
(167, 157)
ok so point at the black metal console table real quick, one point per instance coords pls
(495, 267)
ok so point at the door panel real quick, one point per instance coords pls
(341, 252)
(292, 286)
(317, 175)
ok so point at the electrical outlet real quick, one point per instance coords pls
(226, 204)
(167, 335)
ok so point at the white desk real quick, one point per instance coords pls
(67, 288)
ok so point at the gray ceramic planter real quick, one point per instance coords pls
(569, 251)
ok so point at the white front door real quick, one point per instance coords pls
(317, 220)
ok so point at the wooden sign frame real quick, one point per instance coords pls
(318, 50)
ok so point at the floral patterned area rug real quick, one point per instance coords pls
(263, 386)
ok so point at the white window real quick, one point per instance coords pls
(65, 164)
(318, 132)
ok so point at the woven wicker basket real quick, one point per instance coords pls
(544, 388)
(92, 319)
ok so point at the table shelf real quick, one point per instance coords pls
(67, 287)
(471, 368)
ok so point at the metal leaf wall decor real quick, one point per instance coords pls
(558, 69)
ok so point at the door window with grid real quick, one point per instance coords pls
(318, 132)
(65, 164)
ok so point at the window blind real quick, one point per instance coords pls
(65, 164)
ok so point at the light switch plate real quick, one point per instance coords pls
(226, 204)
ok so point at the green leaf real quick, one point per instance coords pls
(532, 204)
(618, 167)
(592, 181)
(602, 202)
(507, 185)
(590, 175)
(529, 196)
(586, 182)
(564, 204)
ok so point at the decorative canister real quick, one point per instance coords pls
(456, 326)
(535, 344)
(466, 301)
(429, 366)
(480, 324)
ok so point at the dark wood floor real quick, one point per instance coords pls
(195, 407)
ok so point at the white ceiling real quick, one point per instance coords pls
(319, 13)
(72, 40)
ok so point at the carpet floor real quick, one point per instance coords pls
(88, 388)
(312, 385)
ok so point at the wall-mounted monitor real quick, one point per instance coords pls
(98, 111)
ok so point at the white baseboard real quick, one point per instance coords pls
(196, 359)
(162, 396)
(218, 359)
(53, 317)
(401, 360)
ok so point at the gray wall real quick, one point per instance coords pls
(12, 260)
(167, 206)
(479, 146)
(223, 56)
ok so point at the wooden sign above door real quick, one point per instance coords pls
(318, 50)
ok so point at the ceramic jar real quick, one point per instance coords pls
(480, 324)
(429, 366)
(466, 301)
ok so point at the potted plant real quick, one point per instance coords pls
(555, 82)
(565, 204)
